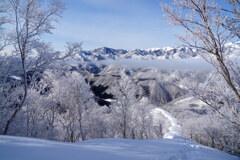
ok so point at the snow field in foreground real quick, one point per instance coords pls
(18, 148)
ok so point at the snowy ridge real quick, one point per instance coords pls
(174, 129)
(151, 49)
(19, 148)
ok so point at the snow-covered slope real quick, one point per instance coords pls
(17, 148)
(174, 128)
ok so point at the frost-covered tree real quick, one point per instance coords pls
(214, 131)
(59, 106)
(101, 123)
(217, 94)
(75, 98)
(10, 88)
(205, 22)
(233, 20)
(141, 125)
(125, 95)
(29, 21)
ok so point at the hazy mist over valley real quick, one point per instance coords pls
(196, 64)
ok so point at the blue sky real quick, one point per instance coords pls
(125, 24)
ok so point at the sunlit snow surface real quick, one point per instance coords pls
(17, 148)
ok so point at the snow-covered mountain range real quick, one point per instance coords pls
(152, 53)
